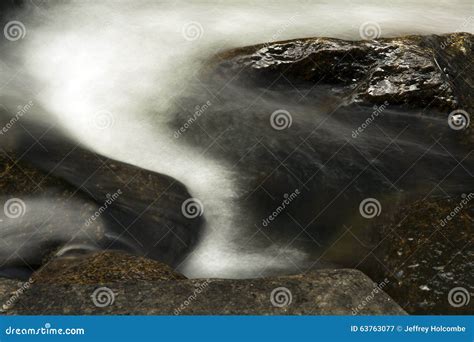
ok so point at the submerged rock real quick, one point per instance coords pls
(71, 199)
(41, 215)
(337, 142)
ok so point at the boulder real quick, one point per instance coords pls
(415, 71)
(41, 215)
(322, 292)
(103, 267)
(8, 288)
(69, 199)
(431, 74)
(428, 248)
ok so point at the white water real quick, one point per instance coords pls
(121, 64)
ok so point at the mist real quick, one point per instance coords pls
(110, 75)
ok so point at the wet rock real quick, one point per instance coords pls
(103, 267)
(421, 78)
(428, 248)
(41, 214)
(322, 292)
(8, 288)
(404, 71)
(310, 115)
(73, 199)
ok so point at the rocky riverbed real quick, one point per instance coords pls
(311, 129)
(116, 283)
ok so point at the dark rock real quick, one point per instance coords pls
(403, 71)
(74, 199)
(103, 267)
(322, 292)
(428, 254)
(326, 87)
(8, 288)
(46, 214)
(337, 145)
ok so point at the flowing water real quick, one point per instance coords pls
(122, 77)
